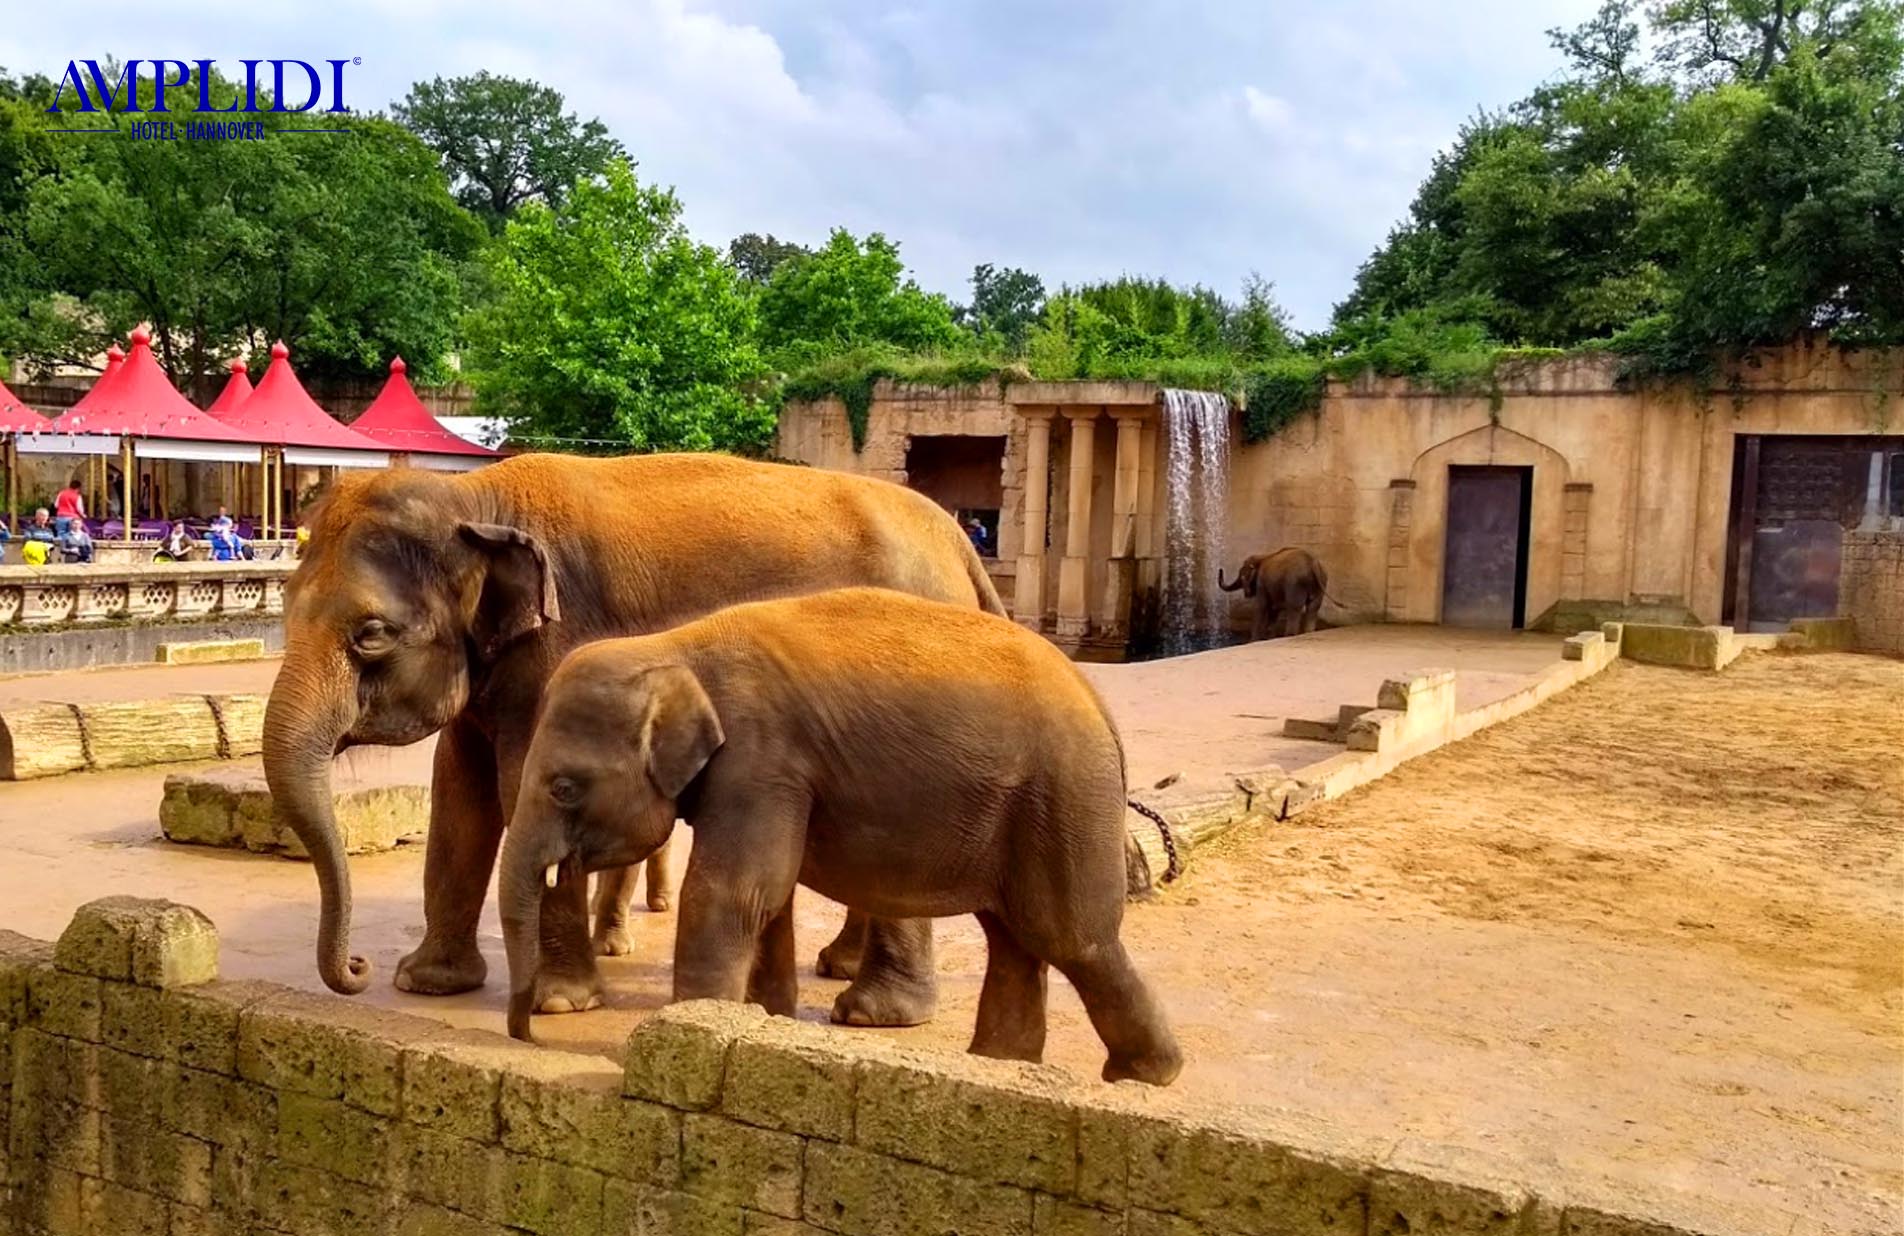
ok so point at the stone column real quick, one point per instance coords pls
(1114, 616)
(1074, 573)
(1401, 520)
(1149, 536)
(1028, 602)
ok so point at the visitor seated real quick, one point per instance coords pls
(41, 528)
(76, 544)
(178, 546)
(227, 545)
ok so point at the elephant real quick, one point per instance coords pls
(903, 756)
(440, 604)
(1288, 587)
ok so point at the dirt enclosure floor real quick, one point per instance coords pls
(1652, 930)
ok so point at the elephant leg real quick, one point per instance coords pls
(1259, 628)
(614, 892)
(739, 884)
(567, 978)
(774, 985)
(841, 959)
(661, 875)
(466, 820)
(1310, 613)
(898, 983)
(1125, 1014)
(1011, 1005)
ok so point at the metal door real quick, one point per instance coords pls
(1483, 579)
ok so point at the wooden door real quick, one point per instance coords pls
(1484, 571)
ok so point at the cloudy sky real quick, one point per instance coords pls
(1195, 139)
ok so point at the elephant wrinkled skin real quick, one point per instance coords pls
(428, 603)
(902, 756)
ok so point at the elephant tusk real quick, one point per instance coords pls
(549, 876)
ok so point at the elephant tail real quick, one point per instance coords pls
(988, 599)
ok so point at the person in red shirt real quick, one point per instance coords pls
(68, 507)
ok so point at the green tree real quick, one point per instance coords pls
(347, 246)
(756, 257)
(1006, 302)
(505, 141)
(607, 323)
(849, 294)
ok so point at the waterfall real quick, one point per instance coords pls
(1197, 443)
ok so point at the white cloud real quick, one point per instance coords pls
(1270, 113)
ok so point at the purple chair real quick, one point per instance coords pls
(109, 530)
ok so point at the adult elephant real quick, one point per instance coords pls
(430, 603)
(1288, 587)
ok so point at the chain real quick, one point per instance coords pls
(1175, 866)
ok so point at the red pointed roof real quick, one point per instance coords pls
(16, 417)
(237, 389)
(115, 361)
(398, 419)
(281, 412)
(138, 399)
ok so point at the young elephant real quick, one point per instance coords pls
(905, 757)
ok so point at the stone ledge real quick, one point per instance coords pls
(207, 651)
(222, 1106)
(232, 808)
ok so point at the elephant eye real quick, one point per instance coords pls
(566, 791)
(373, 637)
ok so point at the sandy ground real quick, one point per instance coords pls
(1652, 930)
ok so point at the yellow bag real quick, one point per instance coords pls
(33, 553)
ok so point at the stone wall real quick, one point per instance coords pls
(155, 592)
(1871, 589)
(1631, 487)
(143, 1095)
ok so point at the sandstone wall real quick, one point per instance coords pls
(1871, 589)
(1631, 486)
(142, 1095)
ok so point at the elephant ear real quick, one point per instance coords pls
(518, 590)
(682, 732)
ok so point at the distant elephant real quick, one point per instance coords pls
(905, 757)
(1288, 587)
(431, 603)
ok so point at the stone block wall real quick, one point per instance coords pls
(1871, 589)
(140, 1094)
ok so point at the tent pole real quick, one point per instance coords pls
(264, 486)
(125, 486)
(13, 484)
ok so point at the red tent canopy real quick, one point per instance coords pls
(281, 412)
(399, 420)
(237, 389)
(115, 361)
(16, 417)
(139, 400)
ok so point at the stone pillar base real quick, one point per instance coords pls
(1074, 615)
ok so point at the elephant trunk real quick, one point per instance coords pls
(1228, 587)
(310, 711)
(527, 862)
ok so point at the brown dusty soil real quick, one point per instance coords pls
(1719, 857)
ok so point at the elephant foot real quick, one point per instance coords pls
(614, 939)
(839, 961)
(894, 1002)
(567, 993)
(441, 970)
(660, 902)
(1155, 1068)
